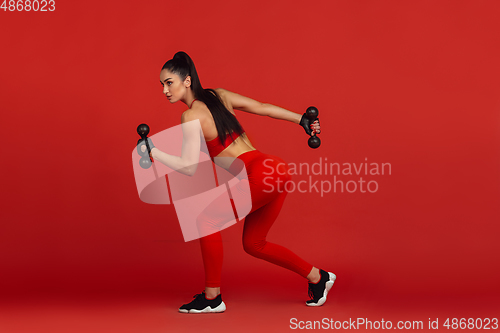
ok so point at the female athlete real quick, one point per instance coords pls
(225, 137)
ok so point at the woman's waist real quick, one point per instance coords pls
(256, 162)
(243, 159)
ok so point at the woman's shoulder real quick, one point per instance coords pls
(220, 91)
(201, 113)
(223, 93)
(196, 112)
(225, 97)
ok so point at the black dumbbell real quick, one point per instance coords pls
(145, 162)
(312, 115)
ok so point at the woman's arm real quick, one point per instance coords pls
(246, 104)
(190, 154)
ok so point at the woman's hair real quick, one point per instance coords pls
(225, 122)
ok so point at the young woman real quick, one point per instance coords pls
(225, 137)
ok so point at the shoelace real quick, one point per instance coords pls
(310, 292)
(197, 298)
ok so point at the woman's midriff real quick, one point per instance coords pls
(239, 146)
(244, 157)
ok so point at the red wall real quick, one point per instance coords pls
(413, 85)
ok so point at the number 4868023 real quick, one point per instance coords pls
(28, 5)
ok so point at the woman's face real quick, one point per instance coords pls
(173, 87)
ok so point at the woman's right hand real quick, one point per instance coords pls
(141, 147)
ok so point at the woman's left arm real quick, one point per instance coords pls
(191, 141)
(247, 104)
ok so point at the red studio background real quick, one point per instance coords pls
(412, 84)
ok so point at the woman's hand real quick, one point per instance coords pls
(315, 127)
(310, 128)
(141, 147)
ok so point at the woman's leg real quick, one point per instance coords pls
(212, 253)
(256, 228)
(214, 217)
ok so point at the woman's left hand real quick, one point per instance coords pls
(315, 127)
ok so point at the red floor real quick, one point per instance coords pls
(249, 309)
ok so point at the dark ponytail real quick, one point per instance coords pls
(225, 122)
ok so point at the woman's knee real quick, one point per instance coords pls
(253, 247)
(206, 225)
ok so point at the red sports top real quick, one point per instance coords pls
(215, 147)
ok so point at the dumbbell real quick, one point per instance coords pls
(312, 115)
(145, 162)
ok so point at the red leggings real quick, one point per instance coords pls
(266, 205)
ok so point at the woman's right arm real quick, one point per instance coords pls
(246, 104)
(187, 163)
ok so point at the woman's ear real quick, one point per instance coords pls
(187, 82)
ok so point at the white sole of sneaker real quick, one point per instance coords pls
(208, 309)
(328, 286)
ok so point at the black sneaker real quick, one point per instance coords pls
(201, 304)
(319, 290)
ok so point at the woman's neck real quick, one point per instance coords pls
(189, 98)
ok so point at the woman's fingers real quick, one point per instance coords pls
(315, 127)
